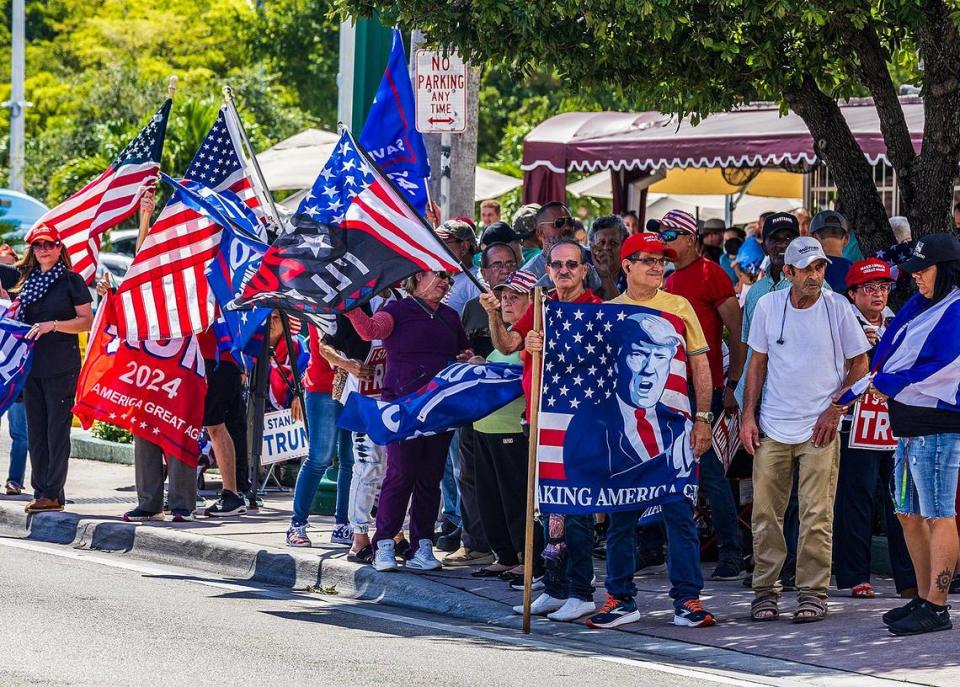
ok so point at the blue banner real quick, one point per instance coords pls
(459, 395)
(614, 423)
(16, 357)
(390, 134)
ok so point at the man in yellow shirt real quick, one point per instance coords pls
(643, 258)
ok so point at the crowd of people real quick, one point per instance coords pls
(781, 317)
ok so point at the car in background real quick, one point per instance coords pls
(123, 241)
(18, 212)
(116, 265)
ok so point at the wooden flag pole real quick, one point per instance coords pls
(145, 216)
(536, 361)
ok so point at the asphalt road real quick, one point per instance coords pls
(79, 618)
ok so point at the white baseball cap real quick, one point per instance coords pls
(802, 251)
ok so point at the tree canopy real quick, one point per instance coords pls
(702, 56)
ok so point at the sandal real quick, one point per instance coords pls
(13, 489)
(487, 572)
(765, 608)
(810, 609)
(364, 555)
(864, 590)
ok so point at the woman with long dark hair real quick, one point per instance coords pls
(919, 374)
(55, 300)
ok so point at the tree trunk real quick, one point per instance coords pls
(838, 148)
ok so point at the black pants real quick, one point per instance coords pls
(861, 473)
(501, 472)
(237, 427)
(473, 536)
(48, 402)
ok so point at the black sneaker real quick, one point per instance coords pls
(651, 563)
(923, 619)
(228, 504)
(727, 571)
(897, 614)
(138, 515)
(449, 542)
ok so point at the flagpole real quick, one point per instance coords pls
(228, 98)
(536, 359)
(403, 197)
(144, 216)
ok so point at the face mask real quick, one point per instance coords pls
(732, 246)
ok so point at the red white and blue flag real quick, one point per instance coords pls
(165, 294)
(354, 235)
(614, 422)
(83, 218)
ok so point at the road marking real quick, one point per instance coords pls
(362, 608)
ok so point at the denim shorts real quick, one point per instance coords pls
(924, 480)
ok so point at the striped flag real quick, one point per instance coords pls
(165, 294)
(354, 236)
(16, 356)
(112, 197)
(614, 422)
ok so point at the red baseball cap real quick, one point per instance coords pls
(41, 232)
(870, 269)
(649, 243)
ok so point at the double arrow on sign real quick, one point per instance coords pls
(437, 120)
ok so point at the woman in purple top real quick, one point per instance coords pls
(421, 336)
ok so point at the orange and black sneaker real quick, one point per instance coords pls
(690, 613)
(615, 612)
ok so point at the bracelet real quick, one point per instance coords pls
(732, 384)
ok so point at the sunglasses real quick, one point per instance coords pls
(443, 275)
(44, 245)
(560, 264)
(650, 262)
(669, 235)
(559, 222)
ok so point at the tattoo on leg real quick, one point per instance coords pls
(944, 577)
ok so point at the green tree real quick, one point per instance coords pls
(705, 56)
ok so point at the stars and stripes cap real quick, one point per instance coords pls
(679, 220)
(520, 281)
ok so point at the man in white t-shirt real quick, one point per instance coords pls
(807, 346)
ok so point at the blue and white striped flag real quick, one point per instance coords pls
(458, 395)
(16, 356)
(917, 362)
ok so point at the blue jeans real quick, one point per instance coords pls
(573, 575)
(322, 413)
(925, 475)
(714, 484)
(344, 475)
(449, 486)
(17, 419)
(683, 552)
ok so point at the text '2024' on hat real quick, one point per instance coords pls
(802, 251)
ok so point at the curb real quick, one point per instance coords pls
(86, 446)
(241, 560)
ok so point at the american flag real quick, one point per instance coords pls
(351, 193)
(16, 357)
(112, 197)
(354, 236)
(581, 376)
(165, 294)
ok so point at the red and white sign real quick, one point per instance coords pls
(441, 86)
(871, 425)
(377, 359)
(151, 388)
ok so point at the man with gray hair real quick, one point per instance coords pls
(900, 226)
(807, 347)
(606, 236)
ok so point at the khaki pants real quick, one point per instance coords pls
(772, 481)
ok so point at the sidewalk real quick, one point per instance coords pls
(851, 639)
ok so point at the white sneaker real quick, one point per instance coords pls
(385, 560)
(424, 559)
(542, 605)
(573, 609)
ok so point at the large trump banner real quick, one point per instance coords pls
(614, 423)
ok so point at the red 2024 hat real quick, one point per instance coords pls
(870, 269)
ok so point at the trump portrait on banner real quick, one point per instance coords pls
(636, 421)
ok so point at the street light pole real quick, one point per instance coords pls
(16, 102)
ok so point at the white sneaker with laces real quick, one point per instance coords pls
(573, 609)
(385, 559)
(424, 559)
(542, 605)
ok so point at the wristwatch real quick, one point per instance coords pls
(704, 416)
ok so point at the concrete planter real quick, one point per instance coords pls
(85, 445)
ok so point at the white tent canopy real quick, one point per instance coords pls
(294, 163)
(706, 207)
